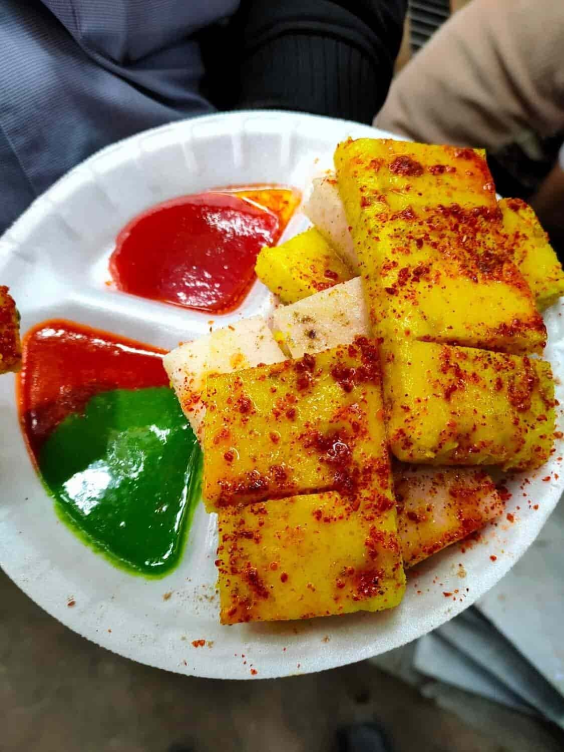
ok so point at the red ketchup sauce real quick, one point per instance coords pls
(65, 364)
(200, 251)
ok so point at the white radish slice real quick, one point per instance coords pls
(439, 506)
(325, 209)
(324, 320)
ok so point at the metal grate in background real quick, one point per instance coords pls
(425, 18)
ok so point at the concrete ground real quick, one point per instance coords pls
(60, 693)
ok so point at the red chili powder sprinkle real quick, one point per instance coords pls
(404, 165)
(504, 494)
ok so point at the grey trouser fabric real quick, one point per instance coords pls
(76, 75)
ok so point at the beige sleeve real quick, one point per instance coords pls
(490, 76)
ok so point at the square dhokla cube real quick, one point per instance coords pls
(10, 346)
(463, 406)
(434, 265)
(304, 425)
(307, 556)
(530, 249)
(449, 283)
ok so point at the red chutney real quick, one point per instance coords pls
(65, 364)
(200, 251)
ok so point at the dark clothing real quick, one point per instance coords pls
(328, 57)
(77, 75)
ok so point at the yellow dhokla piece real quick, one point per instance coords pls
(444, 280)
(391, 176)
(530, 249)
(438, 506)
(463, 406)
(311, 424)
(10, 345)
(430, 248)
(307, 556)
(302, 266)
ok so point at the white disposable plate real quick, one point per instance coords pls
(55, 261)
